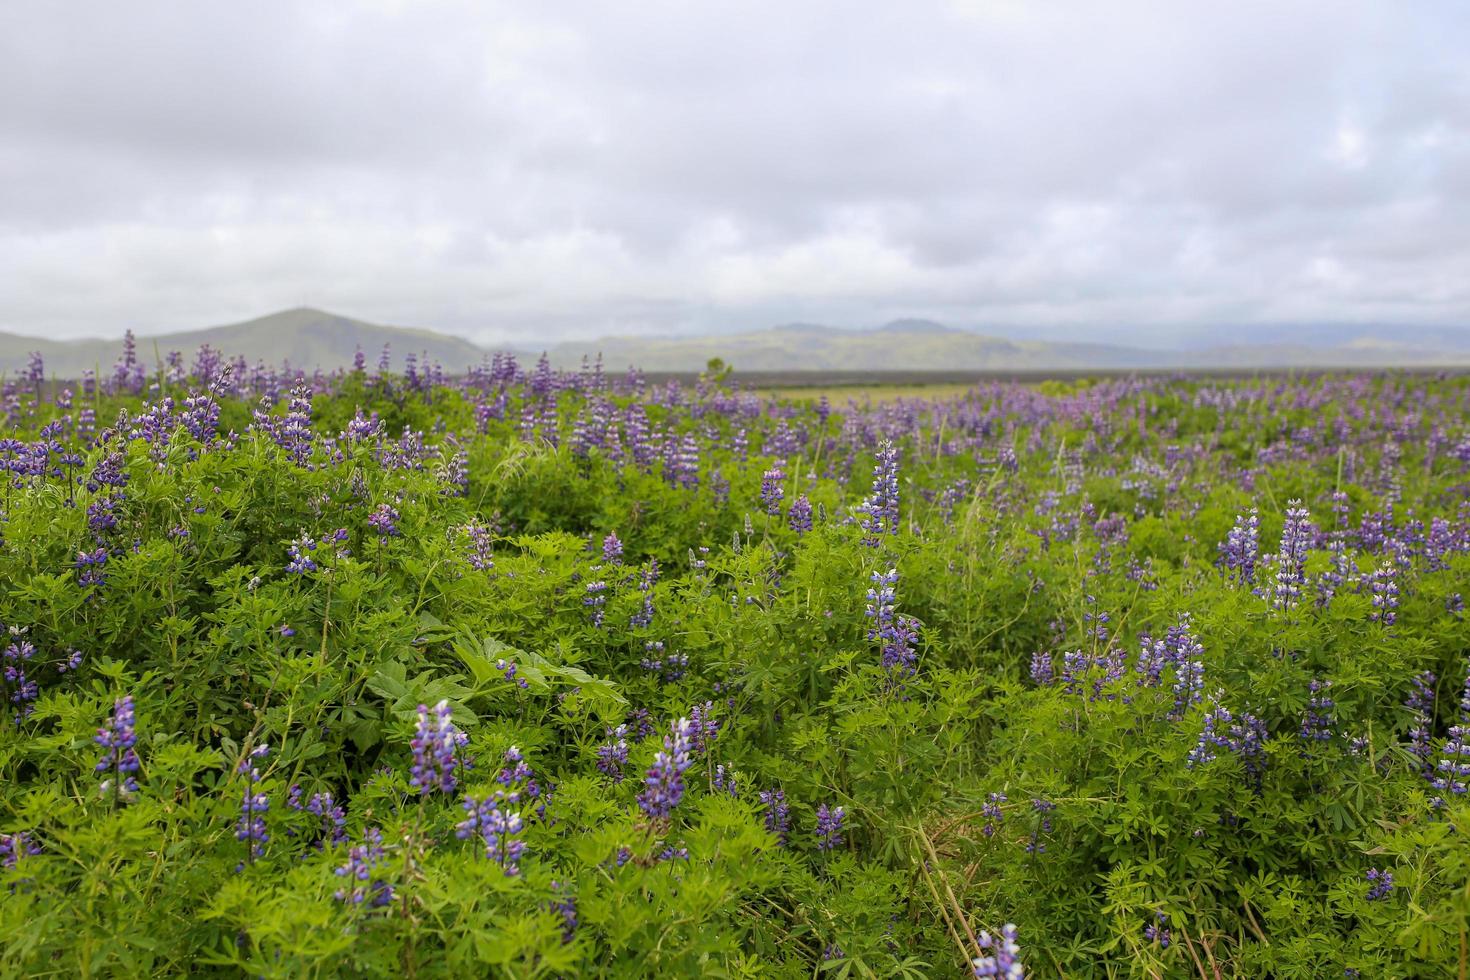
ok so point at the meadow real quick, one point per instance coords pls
(512, 672)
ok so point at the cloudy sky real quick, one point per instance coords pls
(1139, 171)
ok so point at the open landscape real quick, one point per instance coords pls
(951, 489)
(542, 673)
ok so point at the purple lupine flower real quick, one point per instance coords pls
(435, 744)
(1453, 770)
(361, 861)
(1042, 671)
(300, 552)
(663, 785)
(1003, 958)
(992, 813)
(253, 805)
(778, 814)
(1296, 539)
(1189, 685)
(704, 727)
(1209, 737)
(799, 518)
(612, 549)
(1421, 703)
(1043, 810)
(829, 827)
(15, 846)
(1241, 547)
(384, 520)
(1158, 930)
(117, 739)
(1380, 883)
(1318, 717)
(333, 817)
(71, 663)
(1075, 664)
(894, 633)
(647, 579)
(498, 827)
(92, 567)
(566, 907)
(880, 507)
(23, 689)
(724, 780)
(1384, 589)
(612, 755)
(640, 723)
(772, 491)
(509, 670)
(480, 557)
(596, 601)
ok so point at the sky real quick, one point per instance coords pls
(1151, 173)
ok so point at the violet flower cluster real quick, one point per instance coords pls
(435, 744)
(663, 787)
(117, 738)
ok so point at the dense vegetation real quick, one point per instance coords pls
(528, 674)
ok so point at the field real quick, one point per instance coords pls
(529, 674)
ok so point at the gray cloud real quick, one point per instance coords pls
(519, 172)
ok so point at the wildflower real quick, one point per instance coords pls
(1380, 883)
(1317, 721)
(23, 689)
(1239, 550)
(384, 520)
(799, 518)
(778, 814)
(434, 750)
(664, 784)
(1421, 703)
(1043, 810)
(509, 670)
(992, 813)
(880, 507)
(566, 907)
(772, 491)
(300, 552)
(612, 755)
(1296, 538)
(612, 549)
(361, 861)
(253, 804)
(117, 739)
(91, 567)
(1454, 762)
(498, 827)
(1041, 668)
(724, 780)
(1004, 958)
(1158, 930)
(596, 601)
(15, 846)
(829, 827)
(894, 633)
(1384, 588)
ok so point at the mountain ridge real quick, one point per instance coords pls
(310, 338)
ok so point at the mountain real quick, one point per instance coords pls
(306, 337)
(923, 345)
(907, 345)
(311, 338)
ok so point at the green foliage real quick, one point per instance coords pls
(1079, 518)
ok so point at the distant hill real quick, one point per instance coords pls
(306, 337)
(312, 339)
(923, 345)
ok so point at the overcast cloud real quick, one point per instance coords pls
(528, 172)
